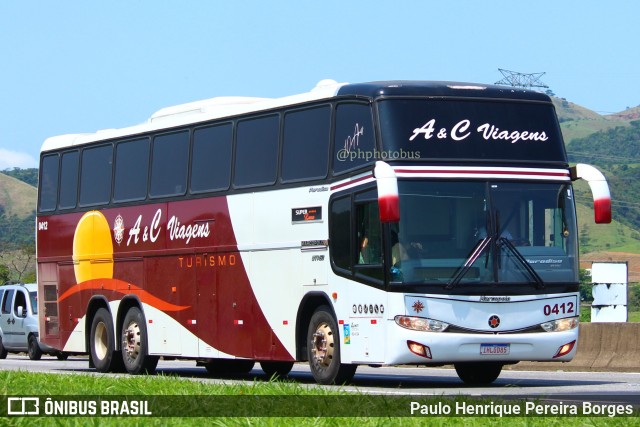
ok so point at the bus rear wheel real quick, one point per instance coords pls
(323, 348)
(478, 373)
(135, 349)
(102, 343)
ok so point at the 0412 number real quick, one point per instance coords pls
(564, 308)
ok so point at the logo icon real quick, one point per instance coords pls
(118, 229)
(494, 321)
(418, 306)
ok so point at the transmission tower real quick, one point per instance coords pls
(524, 80)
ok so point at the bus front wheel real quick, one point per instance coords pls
(135, 350)
(323, 347)
(478, 373)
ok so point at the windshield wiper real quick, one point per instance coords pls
(476, 252)
(536, 277)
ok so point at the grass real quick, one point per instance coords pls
(21, 383)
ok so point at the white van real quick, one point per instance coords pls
(19, 322)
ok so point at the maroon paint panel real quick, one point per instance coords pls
(181, 253)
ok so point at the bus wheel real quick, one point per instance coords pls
(34, 349)
(229, 366)
(280, 369)
(324, 350)
(135, 350)
(478, 373)
(102, 341)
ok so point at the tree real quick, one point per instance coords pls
(586, 287)
(18, 264)
(4, 273)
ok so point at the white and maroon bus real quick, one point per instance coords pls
(384, 223)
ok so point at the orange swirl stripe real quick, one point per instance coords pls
(122, 288)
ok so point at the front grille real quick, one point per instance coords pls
(452, 329)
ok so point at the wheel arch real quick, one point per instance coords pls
(310, 302)
(126, 303)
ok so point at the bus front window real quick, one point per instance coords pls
(459, 234)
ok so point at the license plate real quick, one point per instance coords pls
(495, 349)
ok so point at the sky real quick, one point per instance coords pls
(76, 66)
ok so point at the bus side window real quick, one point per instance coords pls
(49, 183)
(132, 170)
(256, 159)
(95, 180)
(340, 233)
(369, 234)
(305, 151)
(169, 165)
(369, 238)
(69, 180)
(354, 142)
(211, 158)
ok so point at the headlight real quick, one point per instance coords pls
(421, 324)
(561, 325)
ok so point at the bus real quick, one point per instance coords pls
(382, 223)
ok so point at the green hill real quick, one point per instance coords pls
(17, 198)
(17, 212)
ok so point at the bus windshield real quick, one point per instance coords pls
(457, 234)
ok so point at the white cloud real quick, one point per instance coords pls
(14, 159)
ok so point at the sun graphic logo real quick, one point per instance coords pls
(118, 229)
(418, 306)
(92, 248)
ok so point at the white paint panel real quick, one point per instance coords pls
(609, 272)
(610, 313)
(609, 294)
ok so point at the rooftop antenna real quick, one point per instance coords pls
(523, 80)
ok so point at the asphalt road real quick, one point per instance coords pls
(609, 387)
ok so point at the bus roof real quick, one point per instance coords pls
(221, 107)
(439, 89)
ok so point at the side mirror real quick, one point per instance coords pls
(21, 312)
(599, 189)
(388, 198)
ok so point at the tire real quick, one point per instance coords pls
(229, 366)
(280, 369)
(62, 356)
(3, 351)
(102, 342)
(34, 348)
(478, 373)
(323, 350)
(134, 344)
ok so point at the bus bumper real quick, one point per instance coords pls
(413, 347)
